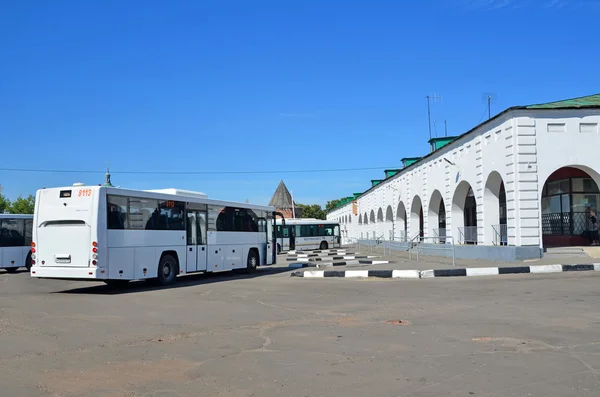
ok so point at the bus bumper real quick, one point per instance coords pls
(80, 273)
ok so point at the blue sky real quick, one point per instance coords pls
(230, 85)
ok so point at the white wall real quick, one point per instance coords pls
(522, 147)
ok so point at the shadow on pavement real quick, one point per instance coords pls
(182, 282)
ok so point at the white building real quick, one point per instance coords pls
(523, 180)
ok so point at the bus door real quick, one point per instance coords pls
(196, 241)
(336, 236)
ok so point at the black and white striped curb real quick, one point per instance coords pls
(468, 272)
(330, 264)
(496, 271)
(357, 273)
(333, 252)
(331, 258)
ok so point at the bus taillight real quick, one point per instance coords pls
(32, 244)
(95, 253)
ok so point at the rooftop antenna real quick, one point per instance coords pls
(489, 97)
(445, 127)
(431, 98)
(435, 127)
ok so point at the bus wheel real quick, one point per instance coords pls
(12, 269)
(323, 245)
(167, 270)
(28, 262)
(252, 261)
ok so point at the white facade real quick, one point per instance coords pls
(520, 147)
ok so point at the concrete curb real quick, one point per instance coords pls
(462, 272)
(331, 251)
(330, 258)
(496, 271)
(330, 264)
(358, 273)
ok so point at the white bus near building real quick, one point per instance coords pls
(15, 241)
(117, 235)
(308, 233)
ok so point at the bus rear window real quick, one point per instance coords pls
(64, 223)
(65, 194)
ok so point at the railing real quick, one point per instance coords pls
(500, 234)
(412, 243)
(400, 237)
(440, 234)
(467, 235)
(419, 240)
(565, 223)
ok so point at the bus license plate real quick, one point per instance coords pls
(63, 260)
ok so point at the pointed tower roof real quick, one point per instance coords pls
(282, 199)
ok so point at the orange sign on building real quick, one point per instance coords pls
(354, 208)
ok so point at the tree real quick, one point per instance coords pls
(23, 205)
(331, 205)
(312, 211)
(4, 204)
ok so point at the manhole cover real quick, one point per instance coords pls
(397, 322)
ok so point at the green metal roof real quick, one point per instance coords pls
(590, 101)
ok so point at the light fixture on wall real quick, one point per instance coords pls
(458, 173)
(450, 162)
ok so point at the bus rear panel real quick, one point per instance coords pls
(66, 242)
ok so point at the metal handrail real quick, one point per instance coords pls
(411, 244)
(464, 237)
(439, 247)
(500, 233)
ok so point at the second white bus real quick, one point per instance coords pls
(117, 235)
(15, 241)
(308, 234)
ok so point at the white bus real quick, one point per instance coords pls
(309, 234)
(15, 241)
(117, 235)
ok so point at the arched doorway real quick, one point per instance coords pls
(402, 224)
(389, 223)
(464, 214)
(568, 197)
(380, 225)
(436, 217)
(374, 226)
(416, 218)
(494, 211)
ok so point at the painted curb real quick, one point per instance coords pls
(495, 271)
(417, 274)
(302, 264)
(357, 273)
(330, 258)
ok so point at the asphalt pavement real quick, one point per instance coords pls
(269, 334)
